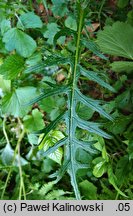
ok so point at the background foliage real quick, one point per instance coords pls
(66, 93)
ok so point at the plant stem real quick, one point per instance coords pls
(4, 130)
(17, 150)
(22, 187)
(72, 105)
(100, 11)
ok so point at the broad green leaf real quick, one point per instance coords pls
(34, 59)
(34, 122)
(105, 154)
(53, 148)
(50, 140)
(123, 169)
(53, 106)
(119, 125)
(100, 143)
(123, 100)
(122, 66)
(7, 157)
(100, 168)
(113, 181)
(59, 7)
(20, 41)
(12, 66)
(29, 20)
(122, 3)
(52, 29)
(5, 85)
(13, 103)
(32, 138)
(88, 189)
(114, 41)
(71, 23)
(5, 26)
(94, 77)
(84, 112)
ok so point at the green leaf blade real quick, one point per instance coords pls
(30, 20)
(20, 41)
(94, 77)
(93, 104)
(12, 66)
(114, 41)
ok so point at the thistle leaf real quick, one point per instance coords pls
(92, 46)
(93, 104)
(87, 146)
(48, 93)
(94, 77)
(92, 127)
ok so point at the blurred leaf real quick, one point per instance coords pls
(5, 26)
(52, 29)
(113, 181)
(71, 23)
(33, 139)
(88, 189)
(122, 66)
(23, 43)
(12, 66)
(130, 150)
(130, 17)
(59, 7)
(5, 85)
(53, 106)
(123, 170)
(123, 100)
(34, 122)
(119, 125)
(13, 103)
(122, 3)
(29, 20)
(84, 112)
(34, 59)
(7, 157)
